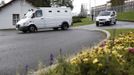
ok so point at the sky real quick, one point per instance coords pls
(87, 3)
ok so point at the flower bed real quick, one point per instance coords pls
(112, 57)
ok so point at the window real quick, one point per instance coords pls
(38, 13)
(65, 10)
(16, 18)
(58, 11)
(50, 11)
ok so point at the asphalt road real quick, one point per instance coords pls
(18, 50)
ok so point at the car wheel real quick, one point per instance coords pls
(64, 26)
(115, 23)
(32, 29)
(97, 24)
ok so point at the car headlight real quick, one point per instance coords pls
(110, 19)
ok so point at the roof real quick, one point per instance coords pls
(7, 4)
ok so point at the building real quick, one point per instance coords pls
(12, 12)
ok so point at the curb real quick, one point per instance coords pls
(100, 30)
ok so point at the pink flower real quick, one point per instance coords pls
(103, 44)
(131, 50)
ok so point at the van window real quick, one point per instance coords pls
(38, 13)
(50, 11)
(65, 10)
(58, 11)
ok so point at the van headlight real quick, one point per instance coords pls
(25, 24)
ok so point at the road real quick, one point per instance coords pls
(18, 50)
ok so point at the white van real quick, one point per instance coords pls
(106, 17)
(50, 17)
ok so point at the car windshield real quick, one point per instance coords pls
(28, 15)
(104, 13)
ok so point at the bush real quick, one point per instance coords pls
(76, 19)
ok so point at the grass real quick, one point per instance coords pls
(119, 31)
(128, 16)
(84, 21)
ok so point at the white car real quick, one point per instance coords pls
(106, 17)
(50, 17)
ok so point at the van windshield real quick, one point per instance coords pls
(104, 13)
(28, 15)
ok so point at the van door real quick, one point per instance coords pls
(38, 19)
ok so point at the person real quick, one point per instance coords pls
(92, 16)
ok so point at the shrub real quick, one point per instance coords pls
(76, 19)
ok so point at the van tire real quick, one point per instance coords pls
(97, 24)
(32, 28)
(64, 26)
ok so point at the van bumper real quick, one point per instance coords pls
(22, 28)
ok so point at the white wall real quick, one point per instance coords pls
(17, 7)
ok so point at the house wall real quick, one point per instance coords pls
(17, 7)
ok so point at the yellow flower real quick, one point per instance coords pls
(95, 61)
(100, 65)
(85, 60)
(114, 52)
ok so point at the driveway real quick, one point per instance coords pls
(18, 50)
(119, 25)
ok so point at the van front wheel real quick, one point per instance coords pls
(32, 28)
(64, 26)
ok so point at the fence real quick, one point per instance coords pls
(129, 6)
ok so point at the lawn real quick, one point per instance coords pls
(116, 32)
(84, 21)
(128, 16)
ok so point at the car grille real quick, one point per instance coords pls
(102, 20)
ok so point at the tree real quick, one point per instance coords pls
(47, 3)
(67, 3)
(83, 12)
(40, 3)
(2, 2)
(117, 2)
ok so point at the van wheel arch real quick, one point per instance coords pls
(64, 26)
(32, 25)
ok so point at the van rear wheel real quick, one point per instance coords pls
(64, 26)
(32, 29)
